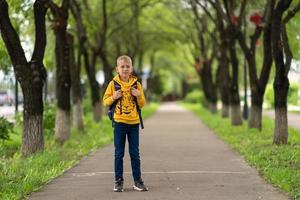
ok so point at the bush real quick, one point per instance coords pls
(19, 118)
(49, 118)
(6, 128)
(293, 94)
(195, 96)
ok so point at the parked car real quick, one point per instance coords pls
(6, 98)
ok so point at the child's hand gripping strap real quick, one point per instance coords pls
(137, 106)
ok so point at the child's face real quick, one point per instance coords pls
(124, 69)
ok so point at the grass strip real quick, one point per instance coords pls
(20, 176)
(279, 165)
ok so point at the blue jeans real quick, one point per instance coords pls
(132, 132)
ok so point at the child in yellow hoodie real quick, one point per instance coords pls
(126, 120)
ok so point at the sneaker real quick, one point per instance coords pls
(139, 185)
(119, 185)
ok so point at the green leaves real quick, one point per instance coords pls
(6, 128)
(5, 63)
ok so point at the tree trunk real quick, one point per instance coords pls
(204, 85)
(281, 88)
(62, 125)
(63, 77)
(236, 114)
(281, 82)
(208, 85)
(76, 86)
(63, 84)
(212, 89)
(255, 117)
(32, 139)
(78, 116)
(97, 112)
(213, 108)
(94, 85)
(225, 110)
(222, 79)
(31, 75)
(281, 126)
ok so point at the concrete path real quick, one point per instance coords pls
(293, 119)
(181, 160)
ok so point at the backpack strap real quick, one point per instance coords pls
(118, 87)
(112, 107)
(137, 106)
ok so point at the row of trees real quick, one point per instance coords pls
(222, 31)
(93, 33)
(89, 33)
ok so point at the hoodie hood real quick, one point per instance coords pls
(125, 85)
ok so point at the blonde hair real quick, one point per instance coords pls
(124, 57)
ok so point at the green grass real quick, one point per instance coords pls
(20, 176)
(279, 165)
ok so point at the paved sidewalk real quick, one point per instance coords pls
(181, 160)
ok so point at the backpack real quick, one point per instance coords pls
(112, 107)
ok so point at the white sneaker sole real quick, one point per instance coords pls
(115, 190)
(139, 189)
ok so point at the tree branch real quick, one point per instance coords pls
(207, 12)
(228, 12)
(217, 5)
(76, 12)
(242, 12)
(40, 9)
(287, 50)
(10, 37)
(53, 7)
(291, 13)
(65, 6)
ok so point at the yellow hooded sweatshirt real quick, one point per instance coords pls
(127, 112)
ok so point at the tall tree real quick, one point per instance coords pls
(89, 56)
(222, 75)
(257, 84)
(228, 40)
(102, 46)
(76, 66)
(236, 116)
(282, 57)
(204, 62)
(63, 78)
(75, 86)
(30, 74)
